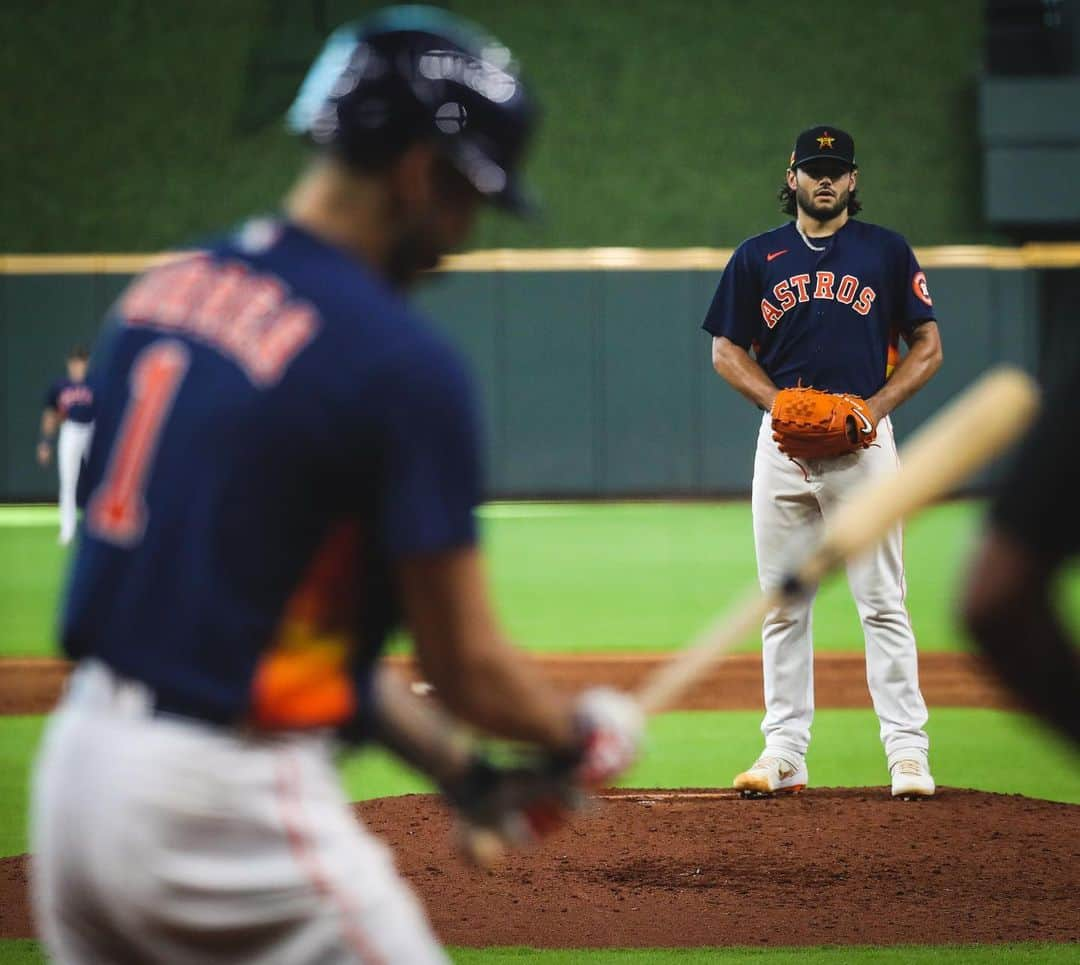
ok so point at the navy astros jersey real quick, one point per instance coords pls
(73, 400)
(827, 319)
(275, 428)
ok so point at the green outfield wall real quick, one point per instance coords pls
(596, 382)
(665, 123)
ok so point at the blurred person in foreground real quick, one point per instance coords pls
(1032, 532)
(286, 466)
(68, 417)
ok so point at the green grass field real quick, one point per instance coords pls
(637, 577)
(29, 953)
(574, 577)
(584, 577)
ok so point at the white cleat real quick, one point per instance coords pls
(771, 775)
(912, 778)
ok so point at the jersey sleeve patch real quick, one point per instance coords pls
(920, 288)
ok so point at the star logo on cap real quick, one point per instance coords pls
(825, 141)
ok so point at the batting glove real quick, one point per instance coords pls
(612, 726)
(516, 805)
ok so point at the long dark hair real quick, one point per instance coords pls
(786, 197)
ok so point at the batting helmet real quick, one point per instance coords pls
(417, 73)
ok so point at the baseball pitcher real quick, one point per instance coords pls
(806, 323)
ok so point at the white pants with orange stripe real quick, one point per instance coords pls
(162, 840)
(788, 500)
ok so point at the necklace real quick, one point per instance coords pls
(806, 241)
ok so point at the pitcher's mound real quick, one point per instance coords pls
(656, 868)
(663, 868)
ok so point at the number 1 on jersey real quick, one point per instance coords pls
(117, 511)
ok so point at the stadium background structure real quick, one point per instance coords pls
(662, 131)
(660, 120)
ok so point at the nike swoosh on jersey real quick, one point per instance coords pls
(776, 254)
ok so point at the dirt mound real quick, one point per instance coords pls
(845, 866)
(693, 868)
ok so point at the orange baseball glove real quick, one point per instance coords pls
(810, 424)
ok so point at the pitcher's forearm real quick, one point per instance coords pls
(914, 370)
(734, 365)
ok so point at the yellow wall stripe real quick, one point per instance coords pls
(1034, 255)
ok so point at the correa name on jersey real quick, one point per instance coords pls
(245, 315)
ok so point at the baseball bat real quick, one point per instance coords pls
(976, 426)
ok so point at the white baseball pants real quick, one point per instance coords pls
(162, 840)
(787, 503)
(71, 447)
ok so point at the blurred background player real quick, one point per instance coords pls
(819, 302)
(287, 464)
(69, 407)
(1011, 603)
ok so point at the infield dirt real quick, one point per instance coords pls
(652, 868)
(706, 868)
(32, 686)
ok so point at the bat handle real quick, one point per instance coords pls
(682, 671)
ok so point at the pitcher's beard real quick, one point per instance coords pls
(818, 211)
